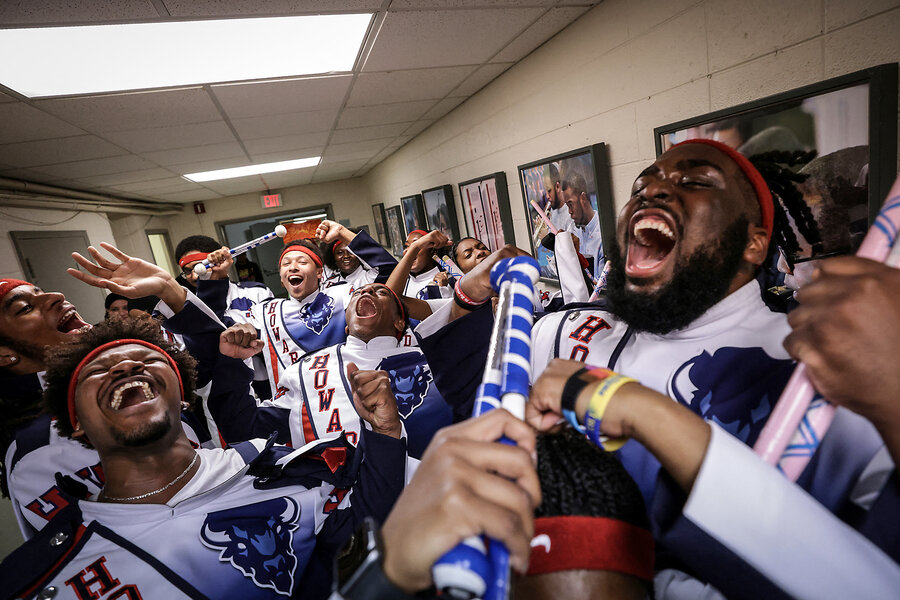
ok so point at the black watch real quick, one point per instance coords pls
(358, 571)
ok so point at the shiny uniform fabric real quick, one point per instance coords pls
(268, 530)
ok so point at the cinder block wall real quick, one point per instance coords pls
(628, 66)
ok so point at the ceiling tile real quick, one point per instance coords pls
(286, 179)
(170, 184)
(551, 23)
(256, 128)
(29, 175)
(209, 165)
(47, 152)
(22, 123)
(192, 196)
(410, 40)
(288, 155)
(347, 152)
(404, 86)
(419, 4)
(481, 78)
(206, 8)
(361, 134)
(187, 155)
(7, 98)
(237, 185)
(245, 100)
(100, 166)
(384, 114)
(166, 138)
(127, 112)
(314, 141)
(15, 12)
(416, 128)
(156, 173)
(442, 108)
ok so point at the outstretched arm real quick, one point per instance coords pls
(418, 309)
(131, 277)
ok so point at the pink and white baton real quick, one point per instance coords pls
(802, 416)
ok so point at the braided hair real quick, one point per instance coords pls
(776, 168)
(578, 478)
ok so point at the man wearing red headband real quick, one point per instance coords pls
(172, 521)
(683, 313)
(31, 322)
(318, 390)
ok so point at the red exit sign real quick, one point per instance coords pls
(271, 200)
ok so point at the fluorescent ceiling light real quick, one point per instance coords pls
(284, 165)
(56, 61)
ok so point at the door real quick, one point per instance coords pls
(44, 256)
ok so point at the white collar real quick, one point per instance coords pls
(426, 275)
(381, 342)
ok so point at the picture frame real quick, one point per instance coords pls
(486, 211)
(546, 182)
(440, 211)
(380, 228)
(413, 213)
(395, 229)
(851, 121)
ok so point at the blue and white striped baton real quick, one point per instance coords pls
(470, 570)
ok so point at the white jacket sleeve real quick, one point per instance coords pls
(780, 530)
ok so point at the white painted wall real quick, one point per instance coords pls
(628, 66)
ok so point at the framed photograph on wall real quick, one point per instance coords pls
(440, 211)
(573, 191)
(395, 229)
(413, 213)
(485, 206)
(380, 230)
(849, 121)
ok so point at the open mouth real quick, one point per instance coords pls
(70, 322)
(653, 237)
(365, 307)
(131, 393)
(295, 280)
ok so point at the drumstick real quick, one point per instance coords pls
(802, 417)
(471, 570)
(280, 231)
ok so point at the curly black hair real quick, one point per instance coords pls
(782, 179)
(578, 478)
(64, 358)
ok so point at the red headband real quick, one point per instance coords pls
(189, 258)
(337, 245)
(417, 231)
(399, 303)
(300, 247)
(73, 381)
(763, 194)
(593, 543)
(8, 285)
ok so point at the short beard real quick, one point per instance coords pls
(147, 434)
(699, 281)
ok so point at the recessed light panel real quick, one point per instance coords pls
(61, 61)
(284, 165)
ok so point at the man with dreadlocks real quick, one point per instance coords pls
(685, 314)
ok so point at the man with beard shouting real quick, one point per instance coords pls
(685, 315)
